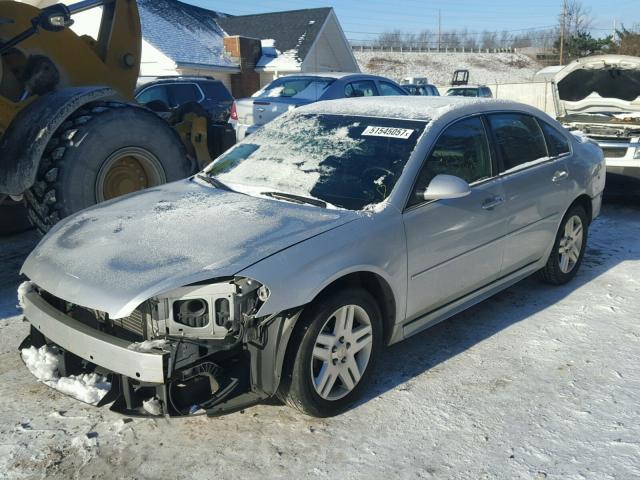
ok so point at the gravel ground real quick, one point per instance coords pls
(537, 382)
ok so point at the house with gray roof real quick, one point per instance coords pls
(245, 52)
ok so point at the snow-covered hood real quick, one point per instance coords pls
(116, 255)
(600, 84)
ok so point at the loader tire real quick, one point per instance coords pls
(102, 151)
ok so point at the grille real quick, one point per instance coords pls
(135, 324)
(614, 152)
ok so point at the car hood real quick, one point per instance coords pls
(600, 84)
(116, 255)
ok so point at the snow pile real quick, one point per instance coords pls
(580, 136)
(43, 363)
(152, 406)
(484, 68)
(23, 289)
(273, 59)
(628, 116)
(148, 346)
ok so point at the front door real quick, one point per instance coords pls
(454, 246)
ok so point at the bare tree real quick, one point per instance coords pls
(577, 18)
(489, 39)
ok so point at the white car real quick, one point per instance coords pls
(600, 97)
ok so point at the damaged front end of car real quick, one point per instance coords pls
(197, 349)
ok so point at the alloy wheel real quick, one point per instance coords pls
(570, 244)
(341, 352)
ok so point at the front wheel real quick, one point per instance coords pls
(338, 343)
(568, 249)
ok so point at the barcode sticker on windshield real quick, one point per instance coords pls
(390, 132)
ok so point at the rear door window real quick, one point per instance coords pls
(388, 89)
(362, 88)
(557, 143)
(518, 139)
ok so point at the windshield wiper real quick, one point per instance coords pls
(295, 198)
(213, 181)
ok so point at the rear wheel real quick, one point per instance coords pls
(337, 345)
(568, 249)
(101, 152)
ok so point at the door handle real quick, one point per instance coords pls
(559, 176)
(492, 202)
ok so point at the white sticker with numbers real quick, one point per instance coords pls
(390, 132)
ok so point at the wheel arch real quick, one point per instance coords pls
(373, 283)
(25, 141)
(584, 201)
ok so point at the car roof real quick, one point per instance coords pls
(336, 75)
(418, 85)
(460, 87)
(413, 107)
(174, 79)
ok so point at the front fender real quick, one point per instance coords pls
(374, 243)
(24, 142)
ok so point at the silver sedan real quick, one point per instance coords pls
(286, 266)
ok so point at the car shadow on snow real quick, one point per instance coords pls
(612, 240)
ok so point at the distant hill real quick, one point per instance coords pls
(439, 67)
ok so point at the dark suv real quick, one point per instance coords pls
(173, 97)
(176, 92)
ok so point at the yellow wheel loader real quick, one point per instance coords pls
(71, 134)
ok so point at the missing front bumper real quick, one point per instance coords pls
(205, 385)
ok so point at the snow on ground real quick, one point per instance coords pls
(538, 382)
(484, 68)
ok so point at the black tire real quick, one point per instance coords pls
(297, 389)
(13, 218)
(552, 272)
(71, 165)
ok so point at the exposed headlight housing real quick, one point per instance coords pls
(210, 311)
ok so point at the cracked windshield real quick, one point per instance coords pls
(327, 160)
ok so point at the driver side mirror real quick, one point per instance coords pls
(446, 186)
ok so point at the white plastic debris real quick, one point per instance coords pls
(43, 363)
(23, 289)
(152, 406)
(148, 346)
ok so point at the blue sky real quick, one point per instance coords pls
(362, 18)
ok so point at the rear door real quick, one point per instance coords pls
(454, 246)
(536, 185)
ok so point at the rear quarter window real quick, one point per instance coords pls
(556, 141)
(215, 91)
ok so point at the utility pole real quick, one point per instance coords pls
(439, 30)
(562, 27)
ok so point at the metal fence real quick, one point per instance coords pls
(376, 48)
